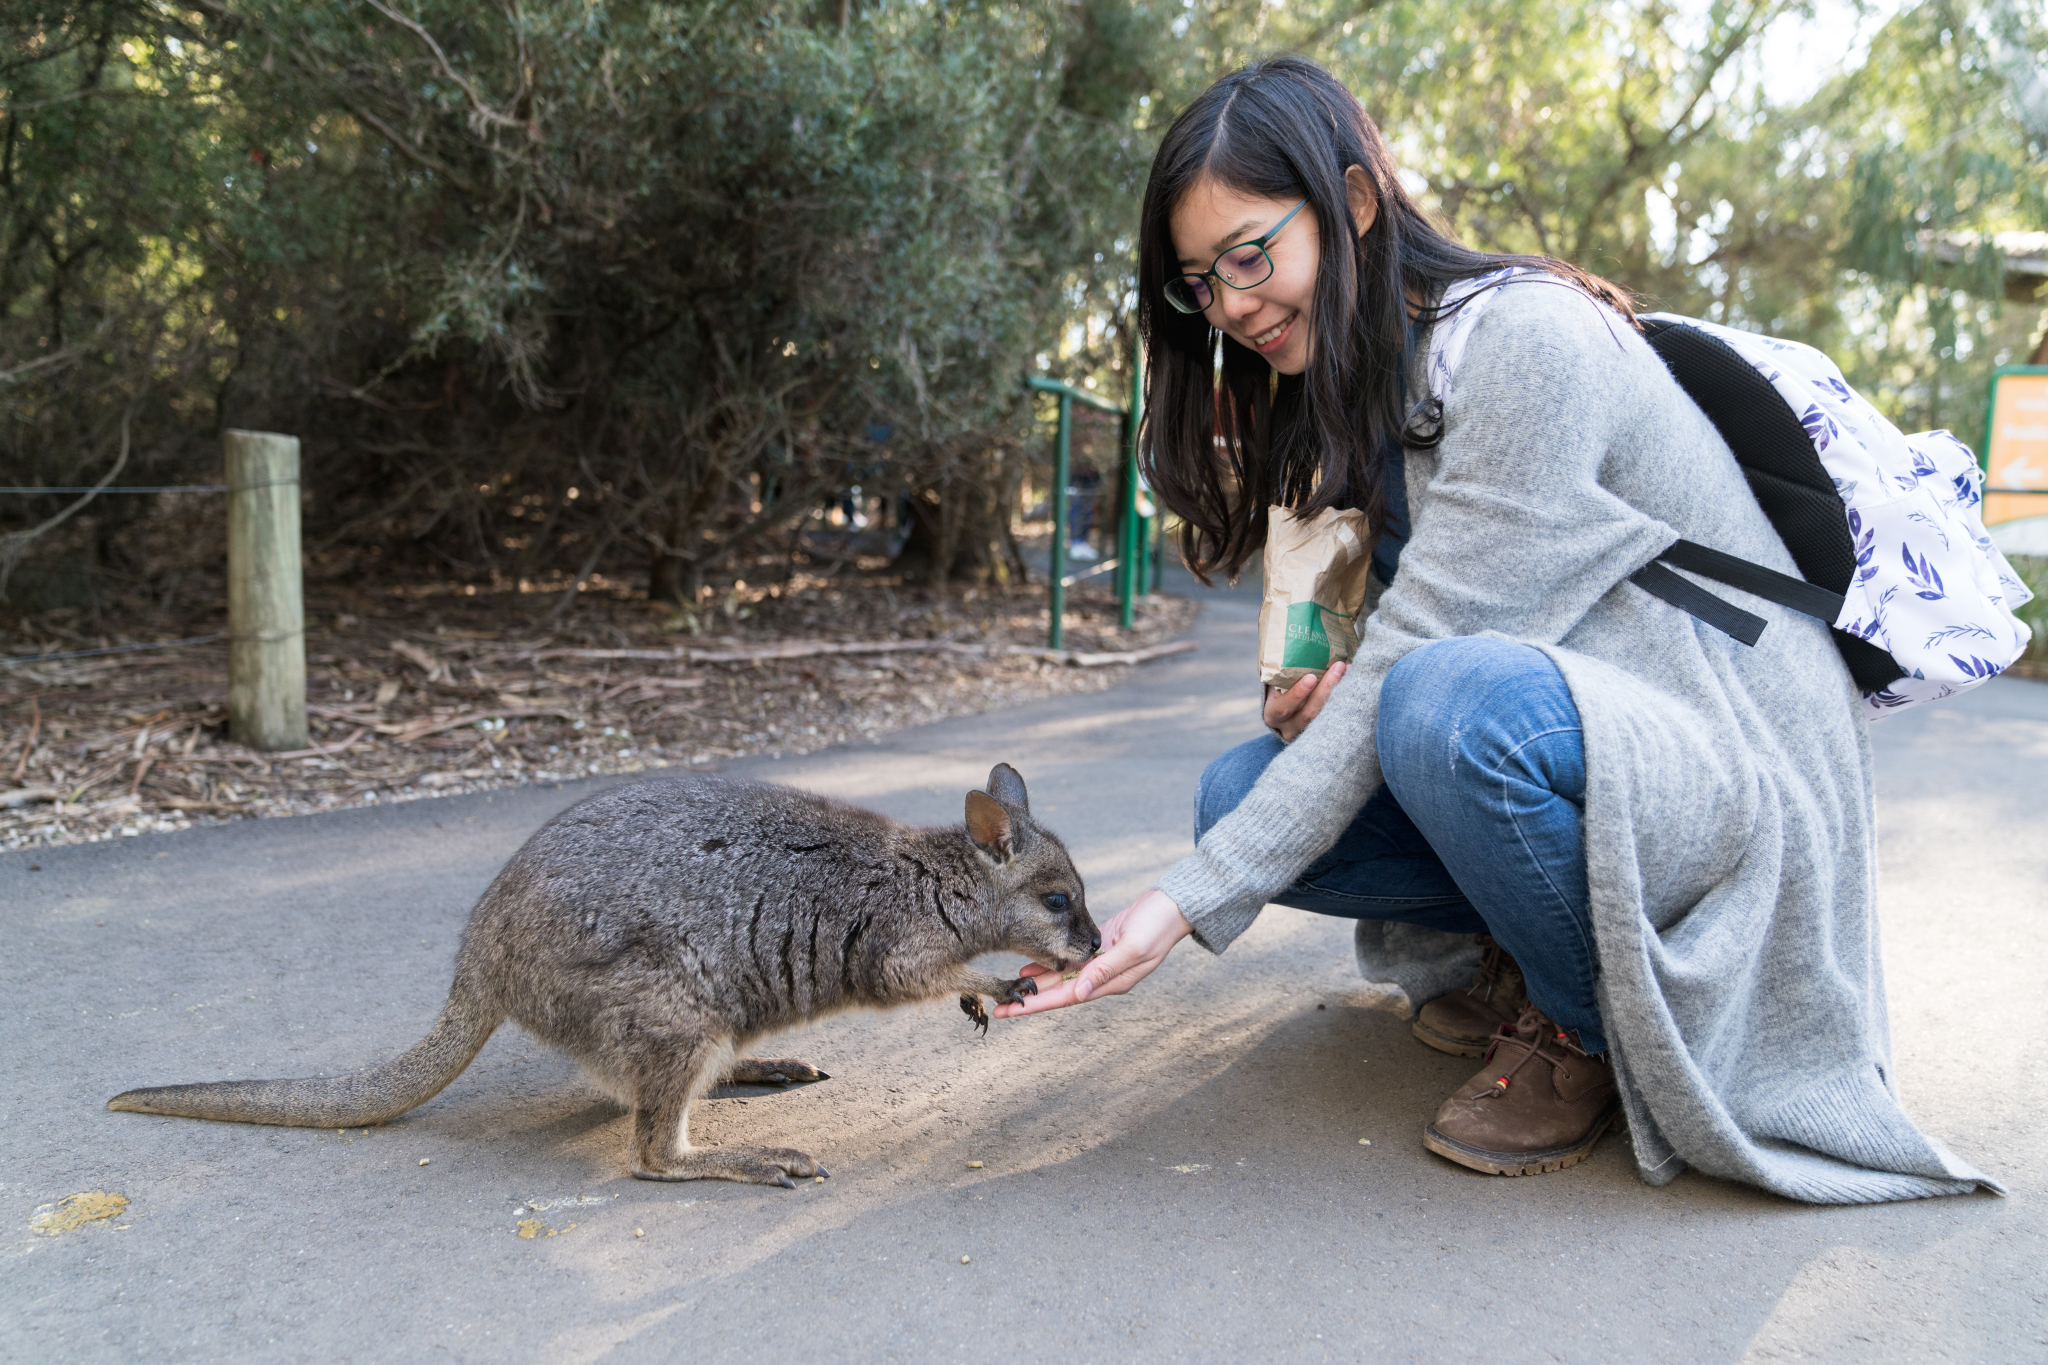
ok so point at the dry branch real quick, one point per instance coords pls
(805, 649)
(1079, 659)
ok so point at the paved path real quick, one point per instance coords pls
(1176, 1175)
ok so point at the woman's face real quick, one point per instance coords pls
(1272, 317)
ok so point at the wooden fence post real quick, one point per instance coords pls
(266, 608)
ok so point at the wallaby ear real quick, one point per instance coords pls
(988, 824)
(1007, 786)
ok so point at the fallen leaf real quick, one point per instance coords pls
(530, 1228)
(75, 1211)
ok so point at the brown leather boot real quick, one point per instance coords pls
(1463, 1023)
(1540, 1104)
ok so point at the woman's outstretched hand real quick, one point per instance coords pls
(1289, 712)
(1133, 943)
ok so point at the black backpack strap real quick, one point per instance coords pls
(1688, 596)
(1754, 579)
(1803, 597)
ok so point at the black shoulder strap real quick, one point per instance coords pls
(1688, 596)
(1871, 668)
(1754, 579)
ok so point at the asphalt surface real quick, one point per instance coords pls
(1179, 1174)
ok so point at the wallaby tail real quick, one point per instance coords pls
(356, 1100)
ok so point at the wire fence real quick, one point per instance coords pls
(89, 488)
(12, 660)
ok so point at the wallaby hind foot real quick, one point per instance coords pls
(661, 1138)
(748, 1165)
(772, 1071)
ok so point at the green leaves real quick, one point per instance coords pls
(664, 247)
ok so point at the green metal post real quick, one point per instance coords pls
(1057, 607)
(1158, 556)
(1126, 540)
(1062, 472)
(1130, 543)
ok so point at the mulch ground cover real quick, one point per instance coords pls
(431, 689)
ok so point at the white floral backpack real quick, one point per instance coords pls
(1887, 528)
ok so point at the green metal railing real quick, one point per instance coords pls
(1136, 561)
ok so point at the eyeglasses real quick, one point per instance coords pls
(1240, 267)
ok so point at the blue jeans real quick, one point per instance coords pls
(1478, 828)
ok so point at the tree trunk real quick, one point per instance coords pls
(959, 526)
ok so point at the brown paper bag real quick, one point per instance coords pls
(1316, 576)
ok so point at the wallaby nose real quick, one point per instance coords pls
(1095, 942)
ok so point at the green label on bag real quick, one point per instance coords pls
(1307, 646)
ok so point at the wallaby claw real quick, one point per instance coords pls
(1015, 991)
(821, 1170)
(971, 1006)
(785, 1182)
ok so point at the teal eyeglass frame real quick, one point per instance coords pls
(1199, 279)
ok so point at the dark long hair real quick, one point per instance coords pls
(1288, 129)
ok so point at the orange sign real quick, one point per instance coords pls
(2017, 454)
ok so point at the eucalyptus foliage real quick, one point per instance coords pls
(709, 263)
(1636, 140)
(705, 263)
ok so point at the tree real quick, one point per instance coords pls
(562, 281)
(1635, 140)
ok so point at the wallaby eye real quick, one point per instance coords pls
(1057, 902)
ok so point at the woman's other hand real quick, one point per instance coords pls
(1133, 943)
(1289, 712)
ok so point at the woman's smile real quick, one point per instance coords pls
(1274, 337)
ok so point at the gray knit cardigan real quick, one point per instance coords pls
(1728, 819)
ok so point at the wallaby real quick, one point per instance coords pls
(653, 929)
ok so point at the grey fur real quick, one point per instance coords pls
(654, 929)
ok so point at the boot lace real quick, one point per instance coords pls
(1493, 969)
(1537, 1036)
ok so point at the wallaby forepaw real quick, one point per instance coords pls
(1015, 991)
(971, 1006)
